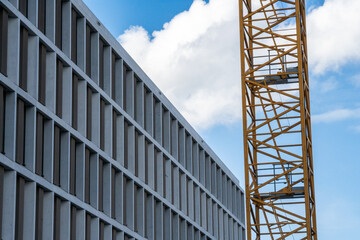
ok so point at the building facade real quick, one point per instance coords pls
(89, 146)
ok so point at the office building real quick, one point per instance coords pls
(90, 147)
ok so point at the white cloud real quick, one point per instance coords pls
(336, 115)
(333, 33)
(195, 58)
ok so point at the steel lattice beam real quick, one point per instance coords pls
(279, 176)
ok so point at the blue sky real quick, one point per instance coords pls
(335, 86)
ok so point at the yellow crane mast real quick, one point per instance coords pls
(279, 176)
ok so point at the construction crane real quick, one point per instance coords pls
(279, 176)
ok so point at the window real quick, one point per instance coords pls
(72, 188)
(147, 159)
(57, 219)
(188, 151)
(42, 74)
(147, 110)
(114, 135)
(156, 119)
(2, 172)
(173, 139)
(75, 86)
(39, 213)
(137, 153)
(101, 230)
(88, 226)
(113, 192)
(102, 124)
(114, 78)
(57, 155)
(127, 144)
(2, 119)
(3, 40)
(23, 7)
(89, 113)
(165, 131)
(101, 184)
(73, 222)
(74, 18)
(24, 36)
(89, 32)
(58, 23)
(91, 177)
(87, 175)
(101, 63)
(125, 72)
(139, 102)
(20, 196)
(39, 162)
(173, 180)
(20, 132)
(59, 87)
(42, 15)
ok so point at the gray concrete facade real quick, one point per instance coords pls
(89, 147)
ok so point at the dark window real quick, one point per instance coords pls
(113, 198)
(88, 50)
(114, 58)
(2, 172)
(136, 153)
(89, 113)
(102, 124)
(164, 176)
(59, 88)
(73, 223)
(39, 213)
(57, 223)
(101, 231)
(19, 220)
(42, 74)
(3, 40)
(125, 72)
(126, 144)
(147, 161)
(138, 104)
(58, 23)
(101, 181)
(101, 63)
(172, 183)
(72, 166)
(114, 135)
(75, 101)
(136, 188)
(57, 156)
(20, 132)
(39, 144)
(156, 119)
(87, 175)
(156, 152)
(42, 15)
(74, 17)
(164, 129)
(24, 35)
(23, 7)
(147, 109)
(114, 234)
(2, 119)
(87, 226)
(125, 205)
